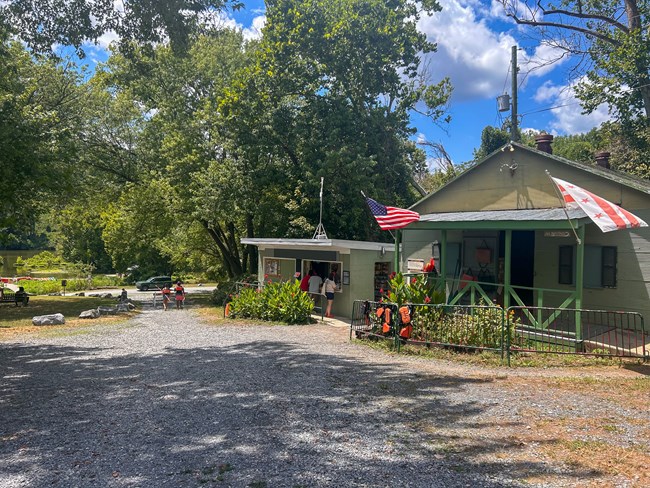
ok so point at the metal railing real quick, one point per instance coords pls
(515, 330)
(460, 326)
(578, 331)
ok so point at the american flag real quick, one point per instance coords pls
(605, 214)
(390, 218)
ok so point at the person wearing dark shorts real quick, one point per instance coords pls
(330, 288)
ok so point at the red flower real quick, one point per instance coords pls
(266, 276)
(381, 290)
(392, 275)
(427, 299)
(414, 280)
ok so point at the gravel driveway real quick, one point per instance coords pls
(165, 400)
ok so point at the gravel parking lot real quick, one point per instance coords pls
(166, 400)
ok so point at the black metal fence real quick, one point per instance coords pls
(575, 331)
(515, 330)
(460, 326)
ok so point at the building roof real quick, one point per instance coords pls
(610, 174)
(320, 244)
(526, 219)
(538, 214)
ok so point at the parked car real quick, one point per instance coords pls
(154, 283)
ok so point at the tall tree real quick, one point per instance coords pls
(611, 40)
(40, 114)
(45, 23)
(329, 96)
(182, 142)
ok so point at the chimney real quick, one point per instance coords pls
(543, 142)
(602, 159)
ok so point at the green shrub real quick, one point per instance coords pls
(102, 281)
(43, 287)
(417, 289)
(277, 302)
(466, 326)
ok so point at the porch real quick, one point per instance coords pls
(531, 261)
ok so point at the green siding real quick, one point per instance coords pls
(360, 264)
(632, 292)
(490, 186)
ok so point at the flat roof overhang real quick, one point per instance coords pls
(340, 245)
(525, 219)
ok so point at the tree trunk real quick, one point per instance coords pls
(229, 255)
(252, 250)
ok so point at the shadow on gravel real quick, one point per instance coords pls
(263, 412)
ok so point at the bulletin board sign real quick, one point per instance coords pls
(346, 277)
(415, 265)
(272, 267)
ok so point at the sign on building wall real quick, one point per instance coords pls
(415, 265)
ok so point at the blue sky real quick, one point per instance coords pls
(474, 40)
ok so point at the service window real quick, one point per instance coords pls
(324, 269)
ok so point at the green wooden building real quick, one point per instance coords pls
(502, 224)
(361, 267)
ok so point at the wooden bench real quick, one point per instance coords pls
(11, 298)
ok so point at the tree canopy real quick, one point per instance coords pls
(45, 23)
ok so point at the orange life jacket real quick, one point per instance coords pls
(405, 314)
(386, 325)
(405, 332)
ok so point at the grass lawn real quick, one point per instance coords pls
(18, 320)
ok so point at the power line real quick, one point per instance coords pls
(577, 103)
(550, 108)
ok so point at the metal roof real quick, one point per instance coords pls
(537, 214)
(333, 244)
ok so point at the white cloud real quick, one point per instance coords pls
(255, 30)
(475, 55)
(567, 112)
(107, 38)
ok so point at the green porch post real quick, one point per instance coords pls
(443, 258)
(506, 269)
(580, 266)
(397, 239)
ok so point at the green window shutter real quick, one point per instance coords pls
(565, 266)
(593, 269)
(608, 267)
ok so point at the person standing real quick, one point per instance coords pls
(179, 295)
(166, 294)
(330, 288)
(304, 284)
(314, 284)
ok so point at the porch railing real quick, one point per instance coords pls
(579, 331)
(480, 327)
(471, 292)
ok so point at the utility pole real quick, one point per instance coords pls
(514, 134)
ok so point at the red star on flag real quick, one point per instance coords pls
(605, 214)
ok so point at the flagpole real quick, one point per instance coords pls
(320, 230)
(563, 205)
(396, 254)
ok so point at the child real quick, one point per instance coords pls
(166, 292)
(179, 293)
